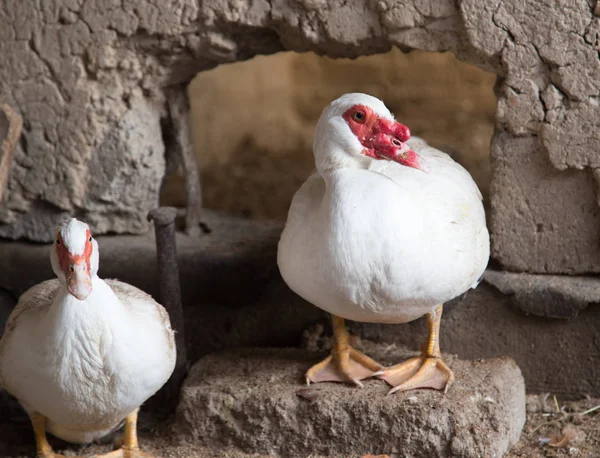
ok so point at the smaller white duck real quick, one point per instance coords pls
(82, 354)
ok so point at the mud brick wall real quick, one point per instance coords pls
(89, 78)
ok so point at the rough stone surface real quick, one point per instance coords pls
(16, 437)
(547, 106)
(234, 296)
(256, 400)
(543, 220)
(554, 296)
(89, 78)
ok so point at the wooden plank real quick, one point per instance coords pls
(11, 124)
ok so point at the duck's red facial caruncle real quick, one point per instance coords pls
(381, 137)
(76, 267)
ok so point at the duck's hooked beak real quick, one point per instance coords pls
(79, 280)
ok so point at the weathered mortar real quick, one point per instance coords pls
(88, 78)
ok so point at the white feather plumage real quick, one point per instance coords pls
(85, 365)
(374, 241)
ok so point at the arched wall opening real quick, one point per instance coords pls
(252, 122)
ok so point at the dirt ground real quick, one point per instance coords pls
(252, 122)
(570, 430)
(547, 421)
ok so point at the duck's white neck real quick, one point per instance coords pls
(336, 148)
(100, 309)
(335, 159)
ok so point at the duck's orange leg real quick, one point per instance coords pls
(345, 364)
(425, 371)
(44, 450)
(130, 447)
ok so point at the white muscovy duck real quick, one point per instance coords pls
(82, 354)
(385, 230)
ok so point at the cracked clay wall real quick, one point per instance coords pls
(89, 78)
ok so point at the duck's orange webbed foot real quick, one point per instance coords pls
(419, 372)
(425, 371)
(345, 364)
(351, 369)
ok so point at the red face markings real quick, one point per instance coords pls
(381, 138)
(361, 120)
(66, 259)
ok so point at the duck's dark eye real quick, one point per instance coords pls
(90, 239)
(359, 116)
(57, 241)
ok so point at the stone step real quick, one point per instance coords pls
(255, 400)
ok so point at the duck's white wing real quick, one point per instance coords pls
(310, 194)
(451, 203)
(302, 217)
(39, 296)
(30, 309)
(149, 314)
